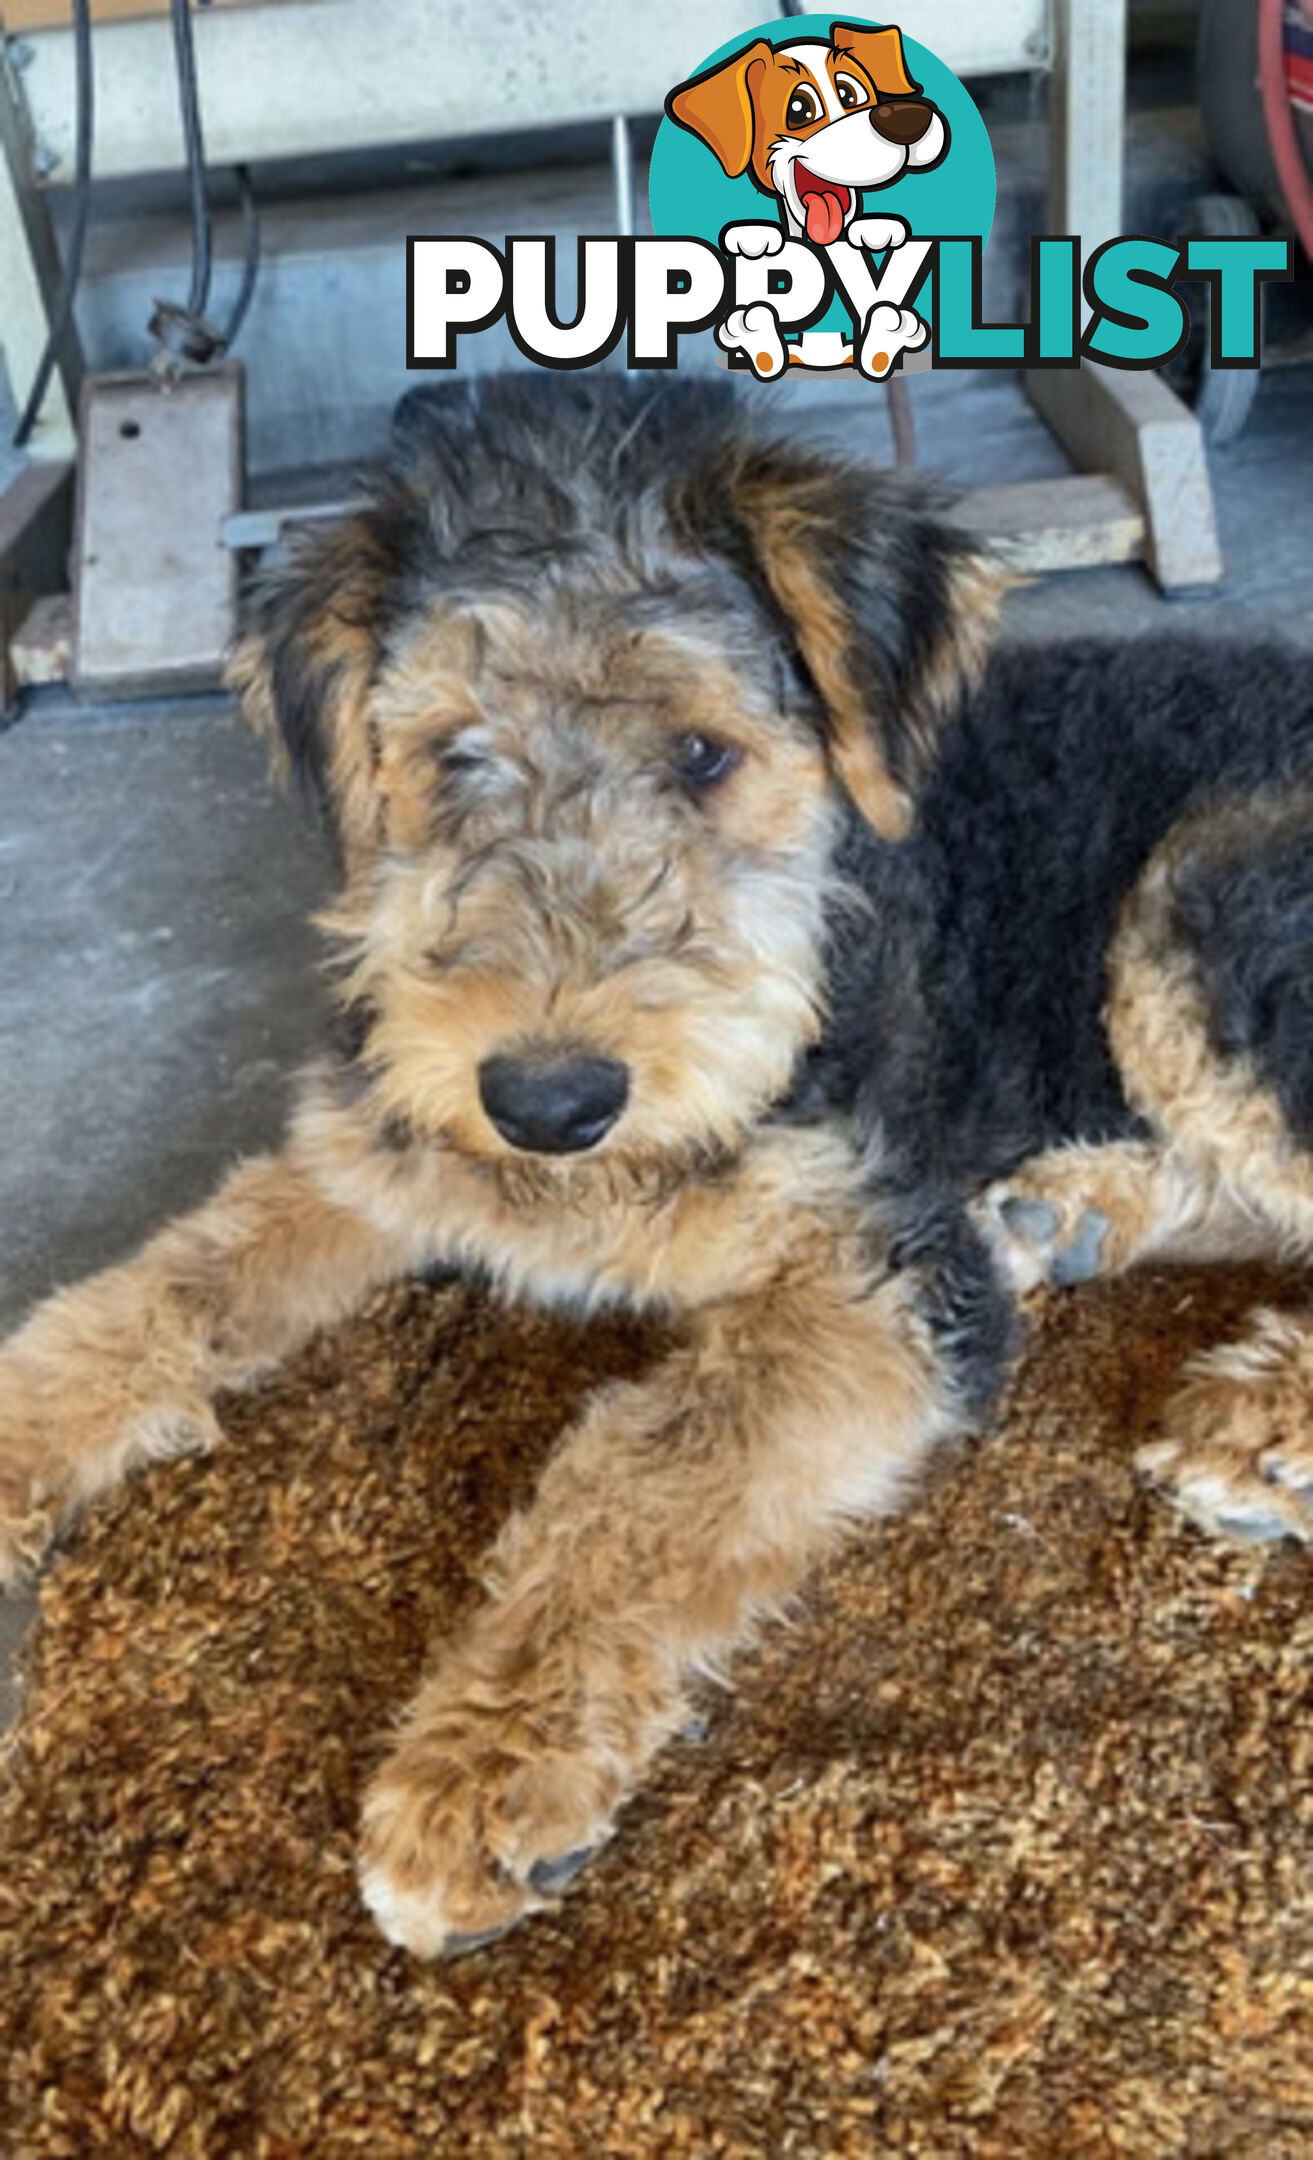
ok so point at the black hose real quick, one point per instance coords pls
(250, 257)
(182, 333)
(71, 276)
(194, 137)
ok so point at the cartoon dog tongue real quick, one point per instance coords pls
(824, 209)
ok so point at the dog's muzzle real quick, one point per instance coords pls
(904, 122)
(549, 1104)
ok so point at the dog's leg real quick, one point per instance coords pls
(122, 1367)
(1084, 1211)
(676, 1513)
(1208, 1021)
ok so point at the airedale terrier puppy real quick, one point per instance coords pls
(726, 935)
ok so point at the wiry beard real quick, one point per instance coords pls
(579, 1186)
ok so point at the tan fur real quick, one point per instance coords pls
(337, 645)
(1237, 1451)
(1223, 1179)
(787, 535)
(978, 584)
(1214, 1110)
(675, 1514)
(791, 521)
(520, 870)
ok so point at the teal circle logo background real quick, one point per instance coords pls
(688, 192)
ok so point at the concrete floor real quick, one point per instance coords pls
(156, 979)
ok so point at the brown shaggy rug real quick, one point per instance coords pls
(1002, 1846)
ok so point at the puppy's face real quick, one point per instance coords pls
(816, 123)
(569, 694)
(595, 918)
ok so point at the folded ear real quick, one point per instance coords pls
(880, 52)
(306, 664)
(891, 609)
(717, 106)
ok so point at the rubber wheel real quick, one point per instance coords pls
(1221, 398)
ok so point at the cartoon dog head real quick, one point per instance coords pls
(815, 123)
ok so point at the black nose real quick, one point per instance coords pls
(904, 122)
(553, 1105)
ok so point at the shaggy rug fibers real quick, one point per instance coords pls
(1001, 1846)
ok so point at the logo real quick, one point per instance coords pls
(816, 155)
(821, 194)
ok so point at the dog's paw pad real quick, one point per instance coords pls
(1080, 1259)
(1034, 1242)
(550, 1877)
(459, 1946)
(1035, 1222)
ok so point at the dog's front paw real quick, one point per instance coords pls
(33, 1479)
(478, 1818)
(878, 233)
(1069, 1215)
(1236, 1452)
(889, 331)
(69, 1428)
(752, 240)
(755, 332)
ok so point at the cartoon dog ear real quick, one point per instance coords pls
(880, 52)
(891, 609)
(717, 106)
(306, 664)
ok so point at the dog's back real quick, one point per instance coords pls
(1064, 773)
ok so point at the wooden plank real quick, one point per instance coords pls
(19, 16)
(1087, 104)
(1072, 524)
(1128, 423)
(36, 515)
(41, 649)
(155, 589)
(251, 531)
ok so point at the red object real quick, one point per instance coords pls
(1286, 151)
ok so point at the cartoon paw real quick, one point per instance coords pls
(889, 331)
(755, 332)
(877, 234)
(754, 240)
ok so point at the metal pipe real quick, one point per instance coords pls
(622, 174)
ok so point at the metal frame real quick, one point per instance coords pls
(29, 272)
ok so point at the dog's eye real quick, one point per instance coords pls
(852, 94)
(803, 107)
(703, 761)
(456, 758)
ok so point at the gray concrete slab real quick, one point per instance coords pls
(156, 976)
(157, 987)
